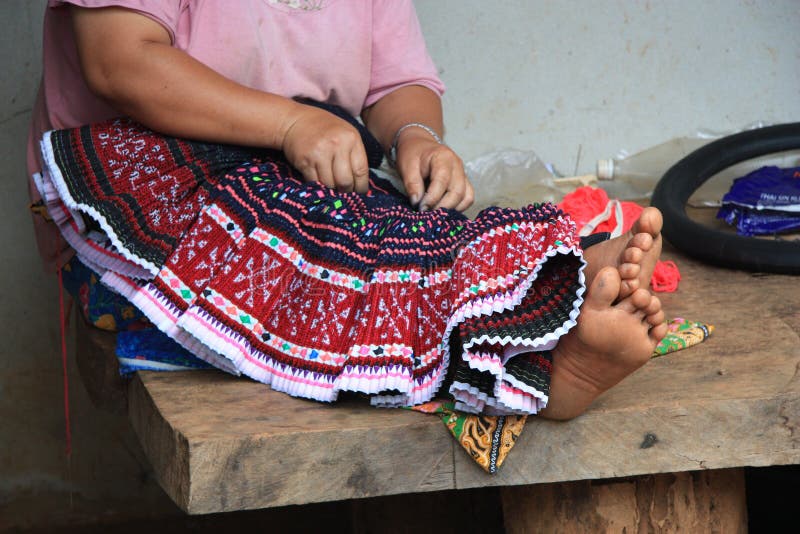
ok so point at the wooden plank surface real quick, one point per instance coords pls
(99, 367)
(731, 401)
(219, 443)
(700, 501)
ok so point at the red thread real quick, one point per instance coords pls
(665, 277)
(63, 328)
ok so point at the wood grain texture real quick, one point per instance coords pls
(99, 367)
(698, 502)
(219, 443)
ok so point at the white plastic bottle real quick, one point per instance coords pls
(635, 176)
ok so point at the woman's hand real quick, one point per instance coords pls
(326, 149)
(421, 159)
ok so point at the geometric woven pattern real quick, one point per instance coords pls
(314, 291)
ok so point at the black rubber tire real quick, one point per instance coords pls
(714, 246)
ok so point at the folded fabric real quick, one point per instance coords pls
(486, 439)
(682, 334)
(313, 291)
(229, 252)
(152, 350)
(99, 306)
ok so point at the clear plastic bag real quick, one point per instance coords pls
(513, 178)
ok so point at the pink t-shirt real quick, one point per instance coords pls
(345, 52)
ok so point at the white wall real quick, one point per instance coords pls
(553, 76)
(548, 76)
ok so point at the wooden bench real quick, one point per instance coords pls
(665, 449)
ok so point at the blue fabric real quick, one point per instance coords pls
(100, 306)
(140, 346)
(152, 350)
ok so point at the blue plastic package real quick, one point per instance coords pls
(759, 222)
(765, 201)
(770, 188)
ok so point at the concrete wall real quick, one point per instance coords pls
(552, 76)
(38, 486)
(544, 76)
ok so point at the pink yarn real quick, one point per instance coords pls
(586, 202)
(665, 277)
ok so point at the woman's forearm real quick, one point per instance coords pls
(409, 104)
(127, 59)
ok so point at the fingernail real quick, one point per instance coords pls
(414, 199)
(424, 207)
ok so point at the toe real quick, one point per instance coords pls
(654, 306)
(641, 298)
(658, 332)
(629, 271)
(650, 221)
(605, 288)
(636, 302)
(627, 287)
(632, 255)
(642, 241)
(655, 319)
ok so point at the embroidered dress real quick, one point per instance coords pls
(312, 291)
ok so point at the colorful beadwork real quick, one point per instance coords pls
(228, 251)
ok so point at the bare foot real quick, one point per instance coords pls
(634, 253)
(611, 340)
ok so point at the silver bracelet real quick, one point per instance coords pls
(393, 151)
